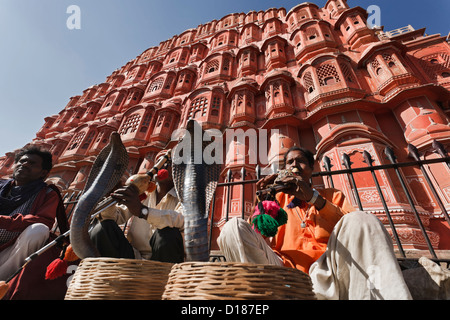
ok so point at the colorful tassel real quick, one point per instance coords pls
(163, 174)
(268, 216)
(56, 269)
(266, 225)
(70, 256)
(282, 217)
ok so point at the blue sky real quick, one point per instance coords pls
(43, 63)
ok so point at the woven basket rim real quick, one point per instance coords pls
(118, 279)
(234, 280)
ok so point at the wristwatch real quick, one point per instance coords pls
(144, 212)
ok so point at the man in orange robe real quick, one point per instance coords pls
(323, 236)
(298, 246)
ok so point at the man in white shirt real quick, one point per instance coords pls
(154, 226)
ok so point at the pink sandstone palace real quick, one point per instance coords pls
(321, 77)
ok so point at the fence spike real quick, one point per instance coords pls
(413, 152)
(327, 163)
(243, 173)
(346, 161)
(390, 154)
(258, 172)
(367, 158)
(229, 175)
(439, 148)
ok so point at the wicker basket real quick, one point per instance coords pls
(118, 279)
(236, 281)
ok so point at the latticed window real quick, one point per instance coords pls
(389, 59)
(376, 66)
(198, 108)
(212, 66)
(173, 57)
(286, 90)
(168, 83)
(308, 82)
(156, 85)
(220, 40)
(88, 140)
(240, 99)
(108, 104)
(354, 19)
(131, 124)
(303, 14)
(77, 140)
(327, 75)
(311, 33)
(215, 106)
(276, 89)
(185, 39)
(347, 72)
(184, 77)
(216, 103)
(437, 64)
(146, 122)
(133, 73)
(226, 64)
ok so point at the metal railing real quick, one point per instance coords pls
(349, 172)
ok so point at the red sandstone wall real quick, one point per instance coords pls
(320, 76)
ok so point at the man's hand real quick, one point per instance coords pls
(266, 181)
(129, 196)
(297, 187)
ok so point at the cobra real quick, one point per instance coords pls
(107, 170)
(195, 184)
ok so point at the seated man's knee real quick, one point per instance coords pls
(36, 233)
(233, 226)
(362, 222)
(362, 218)
(167, 245)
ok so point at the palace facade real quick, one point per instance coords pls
(320, 78)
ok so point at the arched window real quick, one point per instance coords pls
(131, 124)
(88, 140)
(215, 107)
(226, 64)
(198, 108)
(390, 61)
(212, 66)
(348, 75)
(156, 84)
(77, 140)
(308, 82)
(327, 75)
(146, 122)
(311, 33)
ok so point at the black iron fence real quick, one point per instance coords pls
(349, 172)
